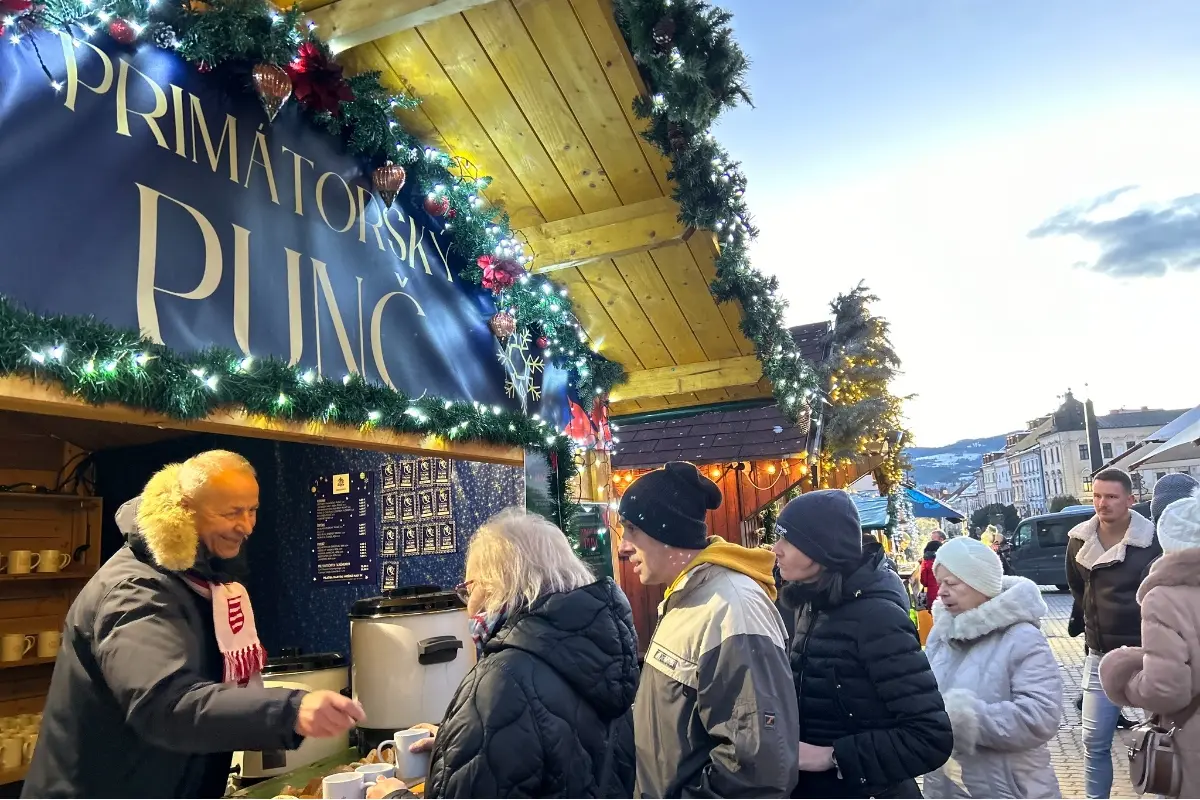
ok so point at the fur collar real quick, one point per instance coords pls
(1173, 569)
(1092, 554)
(1019, 601)
(167, 528)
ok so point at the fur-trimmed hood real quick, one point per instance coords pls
(1092, 554)
(159, 519)
(1019, 600)
(1173, 569)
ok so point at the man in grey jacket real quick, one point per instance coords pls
(715, 713)
(149, 695)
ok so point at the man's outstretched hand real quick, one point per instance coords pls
(326, 714)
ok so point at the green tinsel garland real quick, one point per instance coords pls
(101, 364)
(241, 33)
(695, 70)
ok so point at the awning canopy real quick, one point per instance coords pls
(1140, 453)
(872, 511)
(1183, 446)
(925, 506)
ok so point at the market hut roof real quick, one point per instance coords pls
(538, 94)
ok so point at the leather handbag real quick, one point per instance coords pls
(1154, 759)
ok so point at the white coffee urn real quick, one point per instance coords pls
(409, 651)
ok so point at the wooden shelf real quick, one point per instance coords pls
(34, 577)
(13, 775)
(47, 497)
(27, 662)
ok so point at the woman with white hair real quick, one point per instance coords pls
(547, 710)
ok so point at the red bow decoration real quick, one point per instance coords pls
(499, 274)
(317, 80)
(590, 430)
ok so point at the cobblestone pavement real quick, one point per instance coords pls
(1066, 748)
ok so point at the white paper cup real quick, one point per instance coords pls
(375, 772)
(344, 786)
(409, 766)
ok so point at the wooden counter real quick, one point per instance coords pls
(298, 778)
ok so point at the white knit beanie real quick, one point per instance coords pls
(1179, 525)
(973, 563)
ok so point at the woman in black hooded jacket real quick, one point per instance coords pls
(547, 710)
(871, 716)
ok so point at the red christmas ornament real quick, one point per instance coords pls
(388, 180)
(15, 7)
(499, 274)
(317, 80)
(543, 342)
(122, 31)
(451, 212)
(502, 324)
(437, 206)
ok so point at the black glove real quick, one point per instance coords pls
(1074, 627)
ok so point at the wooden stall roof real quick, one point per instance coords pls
(538, 94)
(719, 436)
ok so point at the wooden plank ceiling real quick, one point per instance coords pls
(538, 94)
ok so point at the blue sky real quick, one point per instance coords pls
(917, 145)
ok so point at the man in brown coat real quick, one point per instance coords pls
(1163, 675)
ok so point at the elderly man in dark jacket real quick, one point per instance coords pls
(157, 679)
(871, 717)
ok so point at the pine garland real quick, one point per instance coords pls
(98, 364)
(234, 35)
(695, 71)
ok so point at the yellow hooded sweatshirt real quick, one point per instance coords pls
(758, 564)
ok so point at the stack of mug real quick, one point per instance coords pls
(15, 646)
(22, 562)
(18, 738)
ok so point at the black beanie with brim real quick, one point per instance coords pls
(671, 505)
(824, 525)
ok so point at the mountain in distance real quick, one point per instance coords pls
(949, 466)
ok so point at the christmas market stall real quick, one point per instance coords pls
(408, 259)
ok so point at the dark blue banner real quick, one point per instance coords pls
(136, 189)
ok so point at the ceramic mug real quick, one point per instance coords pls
(409, 766)
(20, 562)
(373, 773)
(12, 751)
(47, 644)
(14, 646)
(344, 786)
(52, 560)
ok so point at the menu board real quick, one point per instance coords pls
(344, 513)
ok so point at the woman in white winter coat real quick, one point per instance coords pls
(997, 675)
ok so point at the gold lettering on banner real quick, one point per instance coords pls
(295, 319)
(415, 248)
(151, 117)
(321, 284)
(297, 174)
(148, 257)
(445, 261)
(73, 82)
(229, 131)
(177, 104)
(241, 288)
(397, 239)
(260, 146)
(363, 199)
(349, 200)
(377, 329)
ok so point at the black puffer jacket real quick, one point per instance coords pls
(533, 718)
(865, 688)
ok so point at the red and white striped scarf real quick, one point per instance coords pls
(237, 637)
